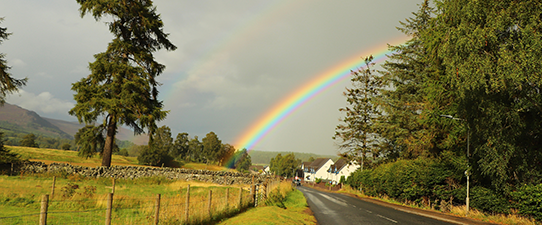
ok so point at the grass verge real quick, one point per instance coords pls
(296, 212)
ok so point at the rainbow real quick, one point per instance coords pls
(288, 105)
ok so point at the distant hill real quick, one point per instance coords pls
(264, 157)
(19, 120)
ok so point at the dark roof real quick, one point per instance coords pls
(317, 163)
(256, 168)
(342, 162)
(306, 164)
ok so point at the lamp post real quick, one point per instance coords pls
(467, 172)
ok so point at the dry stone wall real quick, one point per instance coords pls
(134, 172)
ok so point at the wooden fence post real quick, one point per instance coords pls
(187, 202)
(109, 209)
(240, 197)
(53, 187)
(113, 185)
(43, 210)
(157, 211)
(209, 204)
(253, 194)
(227, 196)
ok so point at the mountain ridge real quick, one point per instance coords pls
(20, 120)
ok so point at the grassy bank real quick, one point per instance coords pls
(296, 211)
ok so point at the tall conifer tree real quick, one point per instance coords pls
(122, 86)
(357, 134)
(8, 84)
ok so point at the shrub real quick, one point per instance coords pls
(416, 180)
(69, 190)
(487, 200)
(528, 200)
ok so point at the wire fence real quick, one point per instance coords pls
(190, 206)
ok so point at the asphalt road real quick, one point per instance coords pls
(333, 208)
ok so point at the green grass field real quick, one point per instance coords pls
(82, 200)
(296, 212)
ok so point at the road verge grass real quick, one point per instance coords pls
(295, 211)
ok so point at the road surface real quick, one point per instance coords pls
(333, 208)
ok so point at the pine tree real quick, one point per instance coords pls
(357, 134)
(122, 86)
(415, 93)
(6, 156)
(8, 84)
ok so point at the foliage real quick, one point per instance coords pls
(89, 140)
(65, 146)
(6, 156)
(240, 160)
(122, 86)
(491, 62)
(8, 84)
(356, 133)
(413, 82)
(342, 180)
(488, 200)
(264, 157)
(180, 146)
(157, 152)
(69, 190)
(194, 150)
(154, 157)
(29, 140)
(284, 165)
(528, 200)
(212, 147)
(409, 180)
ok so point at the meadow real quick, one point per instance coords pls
(81, 200)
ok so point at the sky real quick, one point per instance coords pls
(235, 61)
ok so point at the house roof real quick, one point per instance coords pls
(317, 163)
(306, 164)
(256, 168)
(342, 162)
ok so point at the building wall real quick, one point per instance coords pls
(345, 171)
(322, 172)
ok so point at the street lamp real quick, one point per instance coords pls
(467, 172)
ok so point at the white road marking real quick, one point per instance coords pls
(368, 211)
(335, 200)
(386, 218)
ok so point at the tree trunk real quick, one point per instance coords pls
(109, 141)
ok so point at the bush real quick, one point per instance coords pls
(416, 180)
(154, 157)
(487, 200)
(528, 200)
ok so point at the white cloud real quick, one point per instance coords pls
(44, 103)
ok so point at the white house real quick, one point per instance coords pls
(317, 169)
(341, 168)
